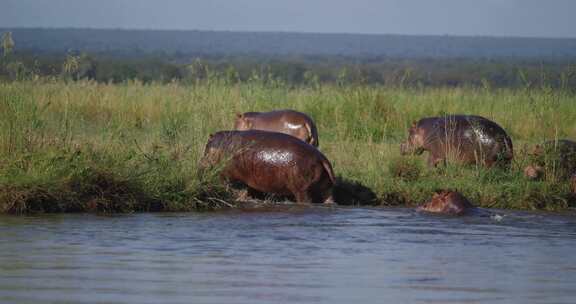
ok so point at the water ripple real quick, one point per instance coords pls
(315, 255)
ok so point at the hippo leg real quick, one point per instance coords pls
(302, 197)
(489, 163)
(433, 160)
(329, 200)
(321, 197)
(321, 191)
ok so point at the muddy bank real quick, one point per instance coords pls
(101, 192)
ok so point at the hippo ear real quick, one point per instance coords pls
(239, 115)
(538, 150)
(414, 124)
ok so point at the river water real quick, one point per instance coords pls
(301, 255)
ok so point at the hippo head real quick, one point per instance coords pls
(537, 150)
(242, 123)
(209, 156)
(539, 158)
(214, 152)
(221, 147)
(447, 202)
(534, 172)
(415, 142)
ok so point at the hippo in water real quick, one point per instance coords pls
(468, 139)
(288, 122)
(448, 202)
(557, 157)
(272, 162)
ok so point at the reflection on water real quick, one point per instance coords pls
(312, 255)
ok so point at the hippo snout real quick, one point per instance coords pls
(447, 202)
(533, 172)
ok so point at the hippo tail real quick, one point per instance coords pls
(313, 133)
(328, 167)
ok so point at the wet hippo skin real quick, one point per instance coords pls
(466, 139)
(272, 162)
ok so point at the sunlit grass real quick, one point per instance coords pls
(132, 147)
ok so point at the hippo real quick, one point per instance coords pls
(288, 122)
(468, 139)
(448, 202)
(271, 163)
(557, 157)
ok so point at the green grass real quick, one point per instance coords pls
(83, 146)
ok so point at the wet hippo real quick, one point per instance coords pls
(448, 202)
(468, 139)
(271, 162)
(556, 157)
(288, 122)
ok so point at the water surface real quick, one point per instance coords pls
(310, 255)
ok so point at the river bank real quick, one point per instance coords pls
(89, 147)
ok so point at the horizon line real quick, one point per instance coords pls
(283, 32)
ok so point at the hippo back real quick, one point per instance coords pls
(288, 122)
(269, 151)
(474, 136)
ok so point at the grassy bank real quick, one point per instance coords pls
(85, 146)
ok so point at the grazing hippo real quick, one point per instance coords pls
(468, 139)
(448, 202)
(288, 122)
(556, 157)
(271, 162)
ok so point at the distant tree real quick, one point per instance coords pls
(86, 68)
(70, 66)
(7, 43)
(16, 70)
(197, 70)
(232, 75)
(77, 67)
(311, 79)
(342, 77)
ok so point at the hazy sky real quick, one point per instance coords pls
(543, 18)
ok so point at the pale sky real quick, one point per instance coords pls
(528, 18)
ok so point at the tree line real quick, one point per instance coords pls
(117, 66)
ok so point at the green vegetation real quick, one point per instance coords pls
(297, 70)
(295, 59)
(87, 146)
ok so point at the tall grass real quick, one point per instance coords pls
(85, 146)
